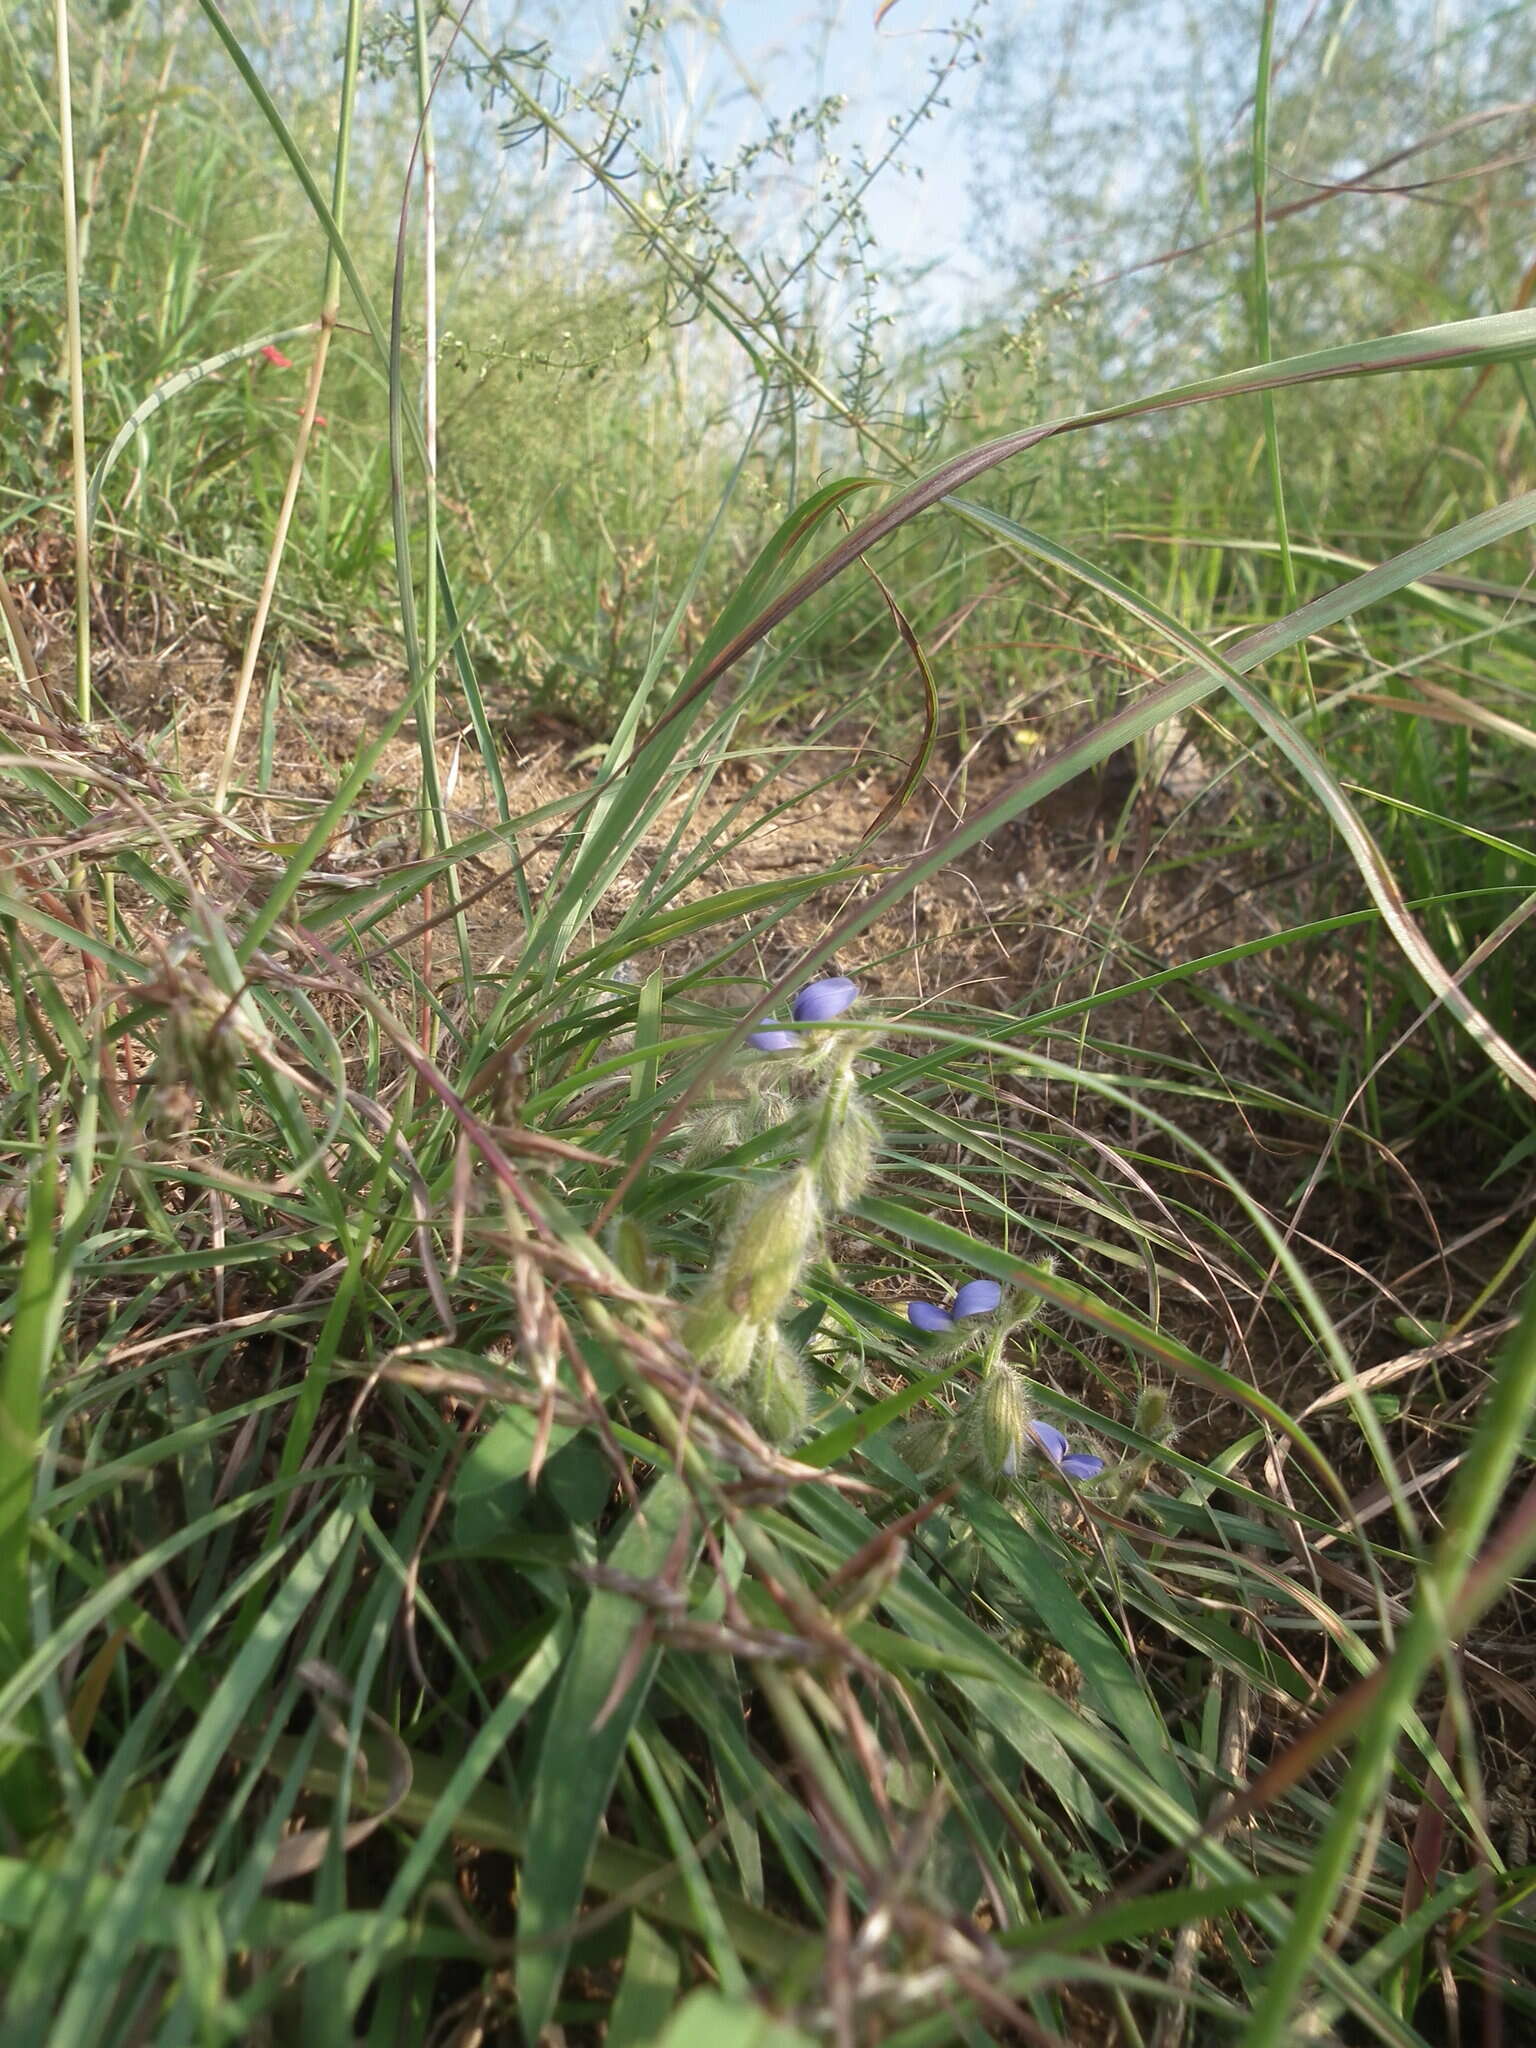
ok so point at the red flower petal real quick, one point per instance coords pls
(275, 355)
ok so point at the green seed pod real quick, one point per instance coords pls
(1001, 1417)
(849, 1135)
(779, 1392)
(925, 1441)
(771, 1246)
(629, 1246)
(720, 1338)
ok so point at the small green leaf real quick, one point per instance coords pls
(706, 2020)
(492, 1487)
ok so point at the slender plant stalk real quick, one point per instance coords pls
(23, 1366)
(429, 373)
(433, 824)
(127, 29)
(1515, 1263)
(18, 645)
(81, 475)
(330, 311)
(174, 35)
(1263, 343)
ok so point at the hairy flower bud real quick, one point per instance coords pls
(1151, 1415)
(715, 1128)
(772, 1242)
(1152, 1420)
(1024, 1309)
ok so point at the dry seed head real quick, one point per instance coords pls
(508, 1088)
(205, 1038)
(174, 1109)
(14, 1197)
(867, 1591)
(1050, 1663)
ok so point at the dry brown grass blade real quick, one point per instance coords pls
(1444, 705)
(1426, 1850)
(912, 775)
(93, 1685)
(24, 655)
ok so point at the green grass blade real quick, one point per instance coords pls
(579, 1760)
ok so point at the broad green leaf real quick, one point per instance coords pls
(1108, 1680)
(491, 1488)
(706, 2020)
(583, 1747)
(647, 1989)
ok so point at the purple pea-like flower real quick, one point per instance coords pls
(816, 1003)
(1076, 1464)
(975, 1298)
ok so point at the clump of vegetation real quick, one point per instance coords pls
(767, 1095)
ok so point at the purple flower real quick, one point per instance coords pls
(816, 1002)
(1076, 1464)
(975, 1298)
